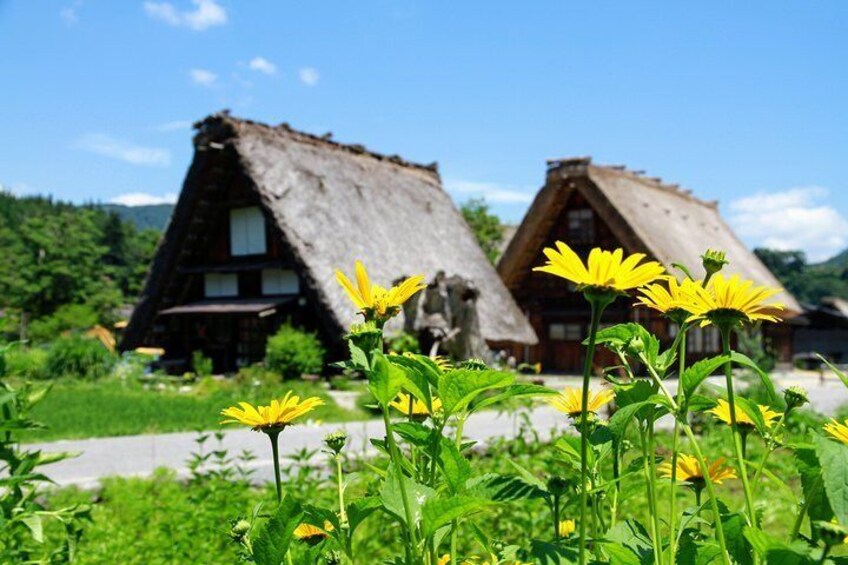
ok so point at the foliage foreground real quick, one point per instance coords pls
(615, 491)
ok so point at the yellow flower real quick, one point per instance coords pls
(689, 470)
(731, 301)
(419, 409)
(722, 412)
(570, 401)
(312, 534)
(275, 417)
(667, 298)
(444, 559)
(837, 431)
(376, 302)
(607, 270)
(565, 528)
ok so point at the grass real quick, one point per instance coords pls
(112, 407)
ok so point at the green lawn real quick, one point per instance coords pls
(111, 407)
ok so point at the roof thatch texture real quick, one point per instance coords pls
(646, 215)
(336, 203)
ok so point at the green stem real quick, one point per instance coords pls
(646, 467)
(275, 453)
(556, 517)
(675, 440)
(772, 446)
(825, 553)
(737, 435)
(394, 453)
(597, 309)
(616, 475)
(796, 527)
(652, 464)
(339, 479)
(705, 470)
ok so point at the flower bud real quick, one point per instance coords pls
(366, 336)
(795, 397)
(336, 441)
(474, 365)
(636, 345)
(558, 486)
(713, 261)
(239, 529)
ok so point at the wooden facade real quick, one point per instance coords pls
(579, 207)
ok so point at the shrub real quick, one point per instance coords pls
(78, 356)
(67, 317)
(201, 364)
(292, 352)
(26, 362)
(404, 343)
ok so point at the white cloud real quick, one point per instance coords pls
(143, 199)
(176, 125)
(203, 77)
(108, 146)
(798, 218)
(492, 192)
(206, 14)
(263, 65)
(18, 189)
(308, 76)
(70, 14)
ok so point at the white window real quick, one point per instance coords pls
(564, 332)
(220, 284)
(279, 281)
(247, 231)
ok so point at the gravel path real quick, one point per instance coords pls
(141, 455)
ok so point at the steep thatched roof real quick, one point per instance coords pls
(662, 220)
(335, 203)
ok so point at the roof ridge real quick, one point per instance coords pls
(224, 117)
(637, 175)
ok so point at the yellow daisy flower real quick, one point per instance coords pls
(608, 270)
(444, 559)
(837, 431)
(566, 528)
(376, 302)
(667, 298)
(570, 401)
(312, 535)
(731, 301)
(273, 418)
(419, 409)
(722, 412)
(689, 470)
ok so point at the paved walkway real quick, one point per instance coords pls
(141, 455)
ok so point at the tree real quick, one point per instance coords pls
(486, 226)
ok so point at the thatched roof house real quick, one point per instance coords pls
(587, 205)
(324, 204)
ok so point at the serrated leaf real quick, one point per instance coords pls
(385, 380)
(513, 391)
(737, 546)
(633, 535)
(392, 498)
(618, 422)
(815, 499)
(833, 458)
(35, 525)
(438, 512)
(416, 382)
(698, 372)
(455, 467)
(503, 488)
(458, 388)
(272, 543)
(360, 509)
(545, 553)
(752, 410)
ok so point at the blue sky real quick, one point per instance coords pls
(741, 102)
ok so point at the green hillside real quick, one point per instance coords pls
(808, 282)
(154, 216)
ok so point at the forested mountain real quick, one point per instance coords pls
(808, 282)
(154, 216)
(67, 262)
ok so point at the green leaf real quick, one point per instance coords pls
(618, 422)
(545, 553)
(35, 525)
(455, 467)
(438, 512)
(358, 358)
(697, 373)
(693, 552)
(842, 376)
(392, 499)
(633, 535)
(503, 488)
(833, 457)
(752, 410)
(778, 552)
(458, 388)
(384, 379)
(620, 555)
(745, 361)
(272, 543)
(514, 391)
(815, 499)
(737, 545)
(360, 509)
(528, 477)
(414, 432)
(416, 382)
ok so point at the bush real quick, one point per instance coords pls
(292, 352)
(201, 364)
(404, 343)
(68, 317)
(78, 356)
(26, 362)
